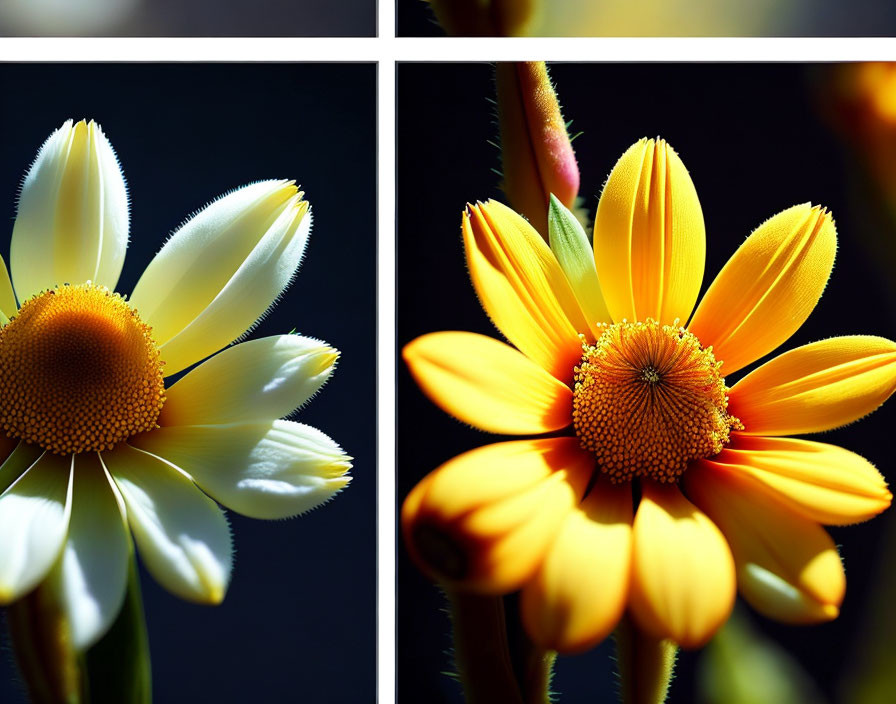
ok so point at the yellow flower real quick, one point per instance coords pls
(661, 489)
(95, 448)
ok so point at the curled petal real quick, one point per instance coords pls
(488, 384)
(768, 288)
(484, 520)
(816, 387)
(649, 236)
(787, 566)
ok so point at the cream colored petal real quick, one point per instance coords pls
(34, 518)
(488, 384)
(222, 270)
(768, 288)
(72, 220)
(271, 469)
(683, 579)
(816, 387)
(823, 483)
(90, 577)
(579, 591)
(255, 380)
(649, 236)
(182, 535)
(787, 566)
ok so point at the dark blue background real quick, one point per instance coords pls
(298, 623)
(754, 143)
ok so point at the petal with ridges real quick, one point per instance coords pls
(182, 535)
(72, 220)
(522, 288)
(222, 269)
(488, 384)
(787, 566)
(683, 579)
(257, 380)
(90, 577)
(649, 236)
(34, 516)
(484, 519)
(768, 288)
(271, 469)
(816, 387)
(824, 483)
(579, 591)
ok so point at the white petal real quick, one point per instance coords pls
(34, 514)
(222, 270)
(182, 535)
(72, 220)
(257, 380)
(21, 458)
(91, 577)
(274, 469)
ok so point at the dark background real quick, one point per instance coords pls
(299, 618)
(754, 142)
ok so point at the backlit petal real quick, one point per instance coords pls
(578, 593)
(34, 516)
(72, 220)
(222, 270)
(649, 236)
(823, 483)
(488, 384)
(270, 469)
(787, 566)
(182, 535)
(768, 288)
(8, 305)
(522, 288)
(816, 387)
(683, 580)
(484, 519)
(255, 380)
(20, 459)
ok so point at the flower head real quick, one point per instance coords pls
(664, 487)
(94, 447)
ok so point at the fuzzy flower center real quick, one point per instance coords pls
(648, 400)
(79, 371)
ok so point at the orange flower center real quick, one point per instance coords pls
(79, 371)
(648, 400)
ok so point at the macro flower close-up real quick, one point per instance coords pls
(127, 420)
(663, 485)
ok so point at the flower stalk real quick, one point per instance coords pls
(646, 664)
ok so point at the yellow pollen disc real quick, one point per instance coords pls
(648, 400)
(79, 371)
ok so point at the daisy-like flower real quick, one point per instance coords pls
(660, 489)
(95, 448)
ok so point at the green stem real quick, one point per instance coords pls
(645, 664)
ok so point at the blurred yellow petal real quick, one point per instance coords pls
(484, 519)
(579, 591)
(768, 288)
(823, 483)
(488, 384)
(522, 288)
(787, 566)
(683, 580)
(649, 237)
(816, 387)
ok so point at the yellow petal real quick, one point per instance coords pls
(484, 519)
(522, 288)
(8, 305)
(816, 387)
(579, 591)
(649, 237)
(488, 384)
(823, 483)
(683, 581)
(787, 566)
(768, 288)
